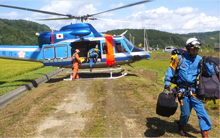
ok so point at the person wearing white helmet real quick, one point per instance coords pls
(75, 60)
(187, 75)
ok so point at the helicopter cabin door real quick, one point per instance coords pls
(56, 54)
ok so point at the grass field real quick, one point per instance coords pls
(12, 68)
(14, 74)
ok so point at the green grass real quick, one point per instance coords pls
(7, 85)
(158, 66)
(12, 68)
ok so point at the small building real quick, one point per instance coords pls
(217, 47)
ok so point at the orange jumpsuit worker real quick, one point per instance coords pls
(75, 60)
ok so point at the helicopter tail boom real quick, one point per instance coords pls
(25, 52)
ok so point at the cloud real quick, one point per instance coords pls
(179, 20)
(11, 15)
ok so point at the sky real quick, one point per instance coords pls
(173, 16)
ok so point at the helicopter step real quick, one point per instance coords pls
(87, 75)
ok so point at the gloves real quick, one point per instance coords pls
(167, 87)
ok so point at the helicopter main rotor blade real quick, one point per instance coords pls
(121, 7)
(34, 10)
(50, 19)
(92, 18)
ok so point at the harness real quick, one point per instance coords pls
(186, 91)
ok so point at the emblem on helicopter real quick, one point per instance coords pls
(56, 48)
(59, 36)
(21, 54)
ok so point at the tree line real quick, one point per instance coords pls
(22, 32)
(163, 39)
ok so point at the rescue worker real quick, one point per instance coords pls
(92, 55)
(186, 82)
(75, 60)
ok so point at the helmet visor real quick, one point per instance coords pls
(196, 44)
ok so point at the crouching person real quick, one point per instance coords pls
(188, 72)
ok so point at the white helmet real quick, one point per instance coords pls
(192, 43)
(97, 46)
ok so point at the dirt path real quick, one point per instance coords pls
(67, 120)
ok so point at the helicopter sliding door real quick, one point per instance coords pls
(56, 54)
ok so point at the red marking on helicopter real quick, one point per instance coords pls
(21, 54)
(110, 59)
(52, 37)
(59, 36)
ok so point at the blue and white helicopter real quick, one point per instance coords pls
(55, 48)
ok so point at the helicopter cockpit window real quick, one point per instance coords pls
(130, 46)
(104, 48)
(118, 47)
(124, 49)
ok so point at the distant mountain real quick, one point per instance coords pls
(207, 38)
(20, 32)
(163, 39)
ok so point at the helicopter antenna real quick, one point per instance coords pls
(123, 33)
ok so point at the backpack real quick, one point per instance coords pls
(178, 52)
(209, 86)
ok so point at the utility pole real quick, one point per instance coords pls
(144, 39)
(133, 40)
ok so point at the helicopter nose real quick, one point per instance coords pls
(148, 56)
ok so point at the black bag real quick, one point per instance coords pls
(209, 86)
(166, 104)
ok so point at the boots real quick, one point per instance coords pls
(181, 129)
(204, 134)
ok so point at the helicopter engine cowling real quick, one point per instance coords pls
(44, 38)
(78, 29)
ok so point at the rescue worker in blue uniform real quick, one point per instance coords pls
(92, 55)
(186, 82)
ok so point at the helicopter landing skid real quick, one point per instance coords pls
(112, 75)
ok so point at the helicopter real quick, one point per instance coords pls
(55, 48)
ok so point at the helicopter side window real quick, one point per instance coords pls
(118, 47)
(49, 52)
(104, 48)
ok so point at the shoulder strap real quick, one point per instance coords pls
(180, 62)
(201, 65)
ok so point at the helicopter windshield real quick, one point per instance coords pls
(130, 46)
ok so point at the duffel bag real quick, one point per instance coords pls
(166, 104)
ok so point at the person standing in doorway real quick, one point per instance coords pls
(92, 56)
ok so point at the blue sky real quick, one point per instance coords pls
(174, 16)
